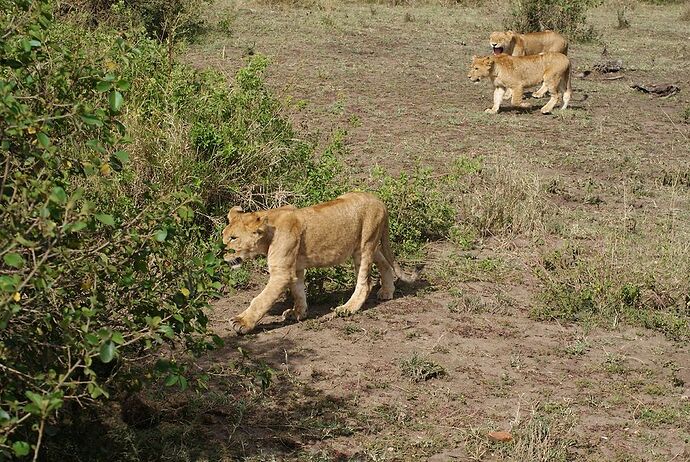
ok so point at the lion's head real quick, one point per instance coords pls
(501, 41)
(244, 236)
(480, 68)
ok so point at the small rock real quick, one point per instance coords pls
(500, 436)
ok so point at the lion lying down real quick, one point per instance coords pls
(353, 225)
(516, 73)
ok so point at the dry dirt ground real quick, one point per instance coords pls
(345, 389)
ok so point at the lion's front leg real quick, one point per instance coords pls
(247, 320)
(517, 98)
(498, 97)
(299, 297)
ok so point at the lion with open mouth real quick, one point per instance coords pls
(515, 44)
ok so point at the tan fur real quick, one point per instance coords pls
(352, 225)
(515, 73)
(514, 44)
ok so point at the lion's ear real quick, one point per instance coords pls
(262, 224)
(234, 211)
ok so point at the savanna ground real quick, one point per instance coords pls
(560, 318)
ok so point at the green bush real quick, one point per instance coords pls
(92, 277)
(113, 162)
(418, 206)
(167, 21)
(566, 16)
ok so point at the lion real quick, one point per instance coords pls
(327, 234)
(517, 72)
(514, 44)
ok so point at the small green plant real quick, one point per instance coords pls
(578, 348)
(421, 369)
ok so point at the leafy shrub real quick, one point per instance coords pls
(167, 21)
(566, 16)
(91, 277)
(113, 161)
(418, 206)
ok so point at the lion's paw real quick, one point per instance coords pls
(490, 111)
(383, 294)
(295, 313)
(342, 311)
(240, 325)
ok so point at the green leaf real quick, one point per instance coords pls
(122, 85)
(161, 234)
(21, 448)
(76, 226)
(106, 219)
(115, 99)
(43, 140)
(13, 259)
(96, 146)
(172, 380)
(122, 156)
(166, 330)
(103, 86)
(107, 352)
(26, 242)
(91, 120)
(57, 194)
(118, 338)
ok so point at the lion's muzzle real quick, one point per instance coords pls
(497, 50)
(234, 261)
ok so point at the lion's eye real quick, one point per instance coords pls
(232, 238)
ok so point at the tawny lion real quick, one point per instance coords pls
(515, 73)
(352, 225)
(515, 44)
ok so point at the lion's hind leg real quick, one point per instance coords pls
(363, 264)
(387, 274)
(553, 84)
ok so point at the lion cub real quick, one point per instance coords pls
(517, 72)
(352, 225)
(514, 44)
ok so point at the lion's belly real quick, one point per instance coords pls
(325, 255)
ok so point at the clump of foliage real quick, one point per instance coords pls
(421, 369)
(418, 206)
(578, 287)
(91, 276)
(566, 16)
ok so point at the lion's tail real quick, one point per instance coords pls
(387, 252)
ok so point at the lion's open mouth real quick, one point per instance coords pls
(235, 262)
(498, 50)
